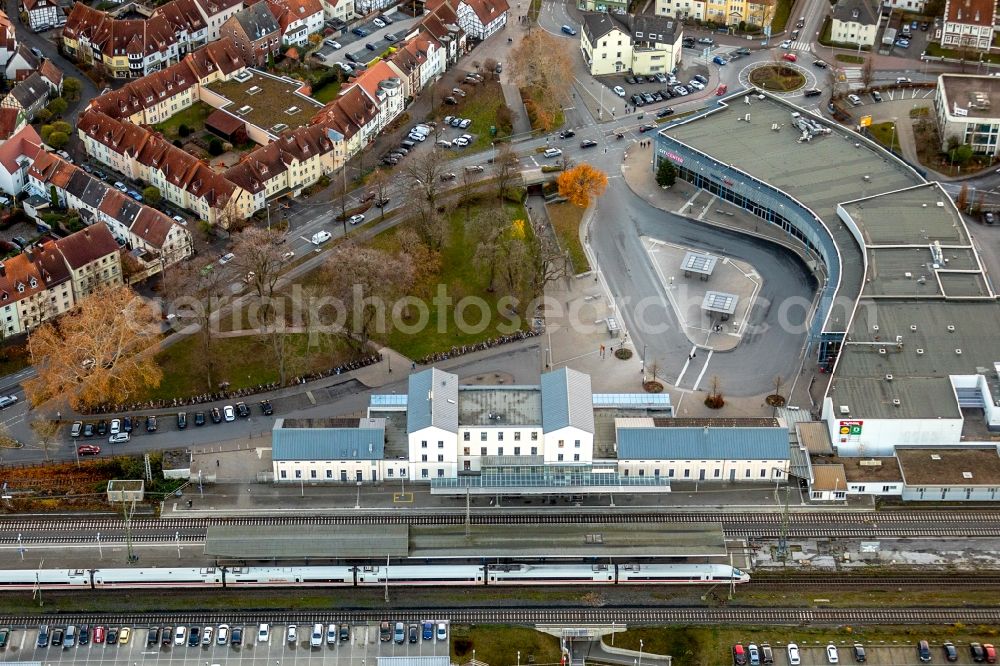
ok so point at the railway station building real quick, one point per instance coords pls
(906, 319)
(553, 437)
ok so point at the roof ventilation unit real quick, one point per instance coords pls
(951, 328)
(896, 402)
(881, 350)
(966, 475)
(958, 352)
(875, 328)
(920, 352)
(888, 378)
(913, 327)
(844, 409)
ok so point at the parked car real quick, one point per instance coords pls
(923, 651)
(360, 32)
(877, 96)
(182, 420)
(229, 413)
(237, 637)
(123, 635)
(854, 100)
(618, 90)
(950, 653)
(794, 657)
(378, 22)
(120, 438)
(442, 631)
(706, 40)
(389, 37)
(263, 632)
(552, 152)
(99, 632)
(903, 43)
(265, 407)
(88, 450)
(199, 419)
(88, 429)
(332, 43)
(832, 656)
(153, 636)
(216, 415)
(739, 655)
(76, 429)
(630, 80)
(384, 632)
(102, 428)
(465, 123)
(127, 424)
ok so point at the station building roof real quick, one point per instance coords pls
(703, 444)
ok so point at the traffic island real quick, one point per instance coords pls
(777, 78)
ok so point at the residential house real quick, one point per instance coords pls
(8, 39)
(255, 33)
(286, 166)
(722, 12)
(441, 23)
(641, 44)
(128, 48)
(16, 156)
(29, 96)
(187, 22)
(93, 258)
(37, 283)
(53, 76)
(386, 89)
(350, 121)
(967, 108)
(12, 121)
(297, 19)
(482, 18)
(22, 64)
(342, 10)
(43, 14)
(854, 22)
(216, 13)
(968, 24)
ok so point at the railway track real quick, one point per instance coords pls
(560, 616)
(880, 524)
(874, 581)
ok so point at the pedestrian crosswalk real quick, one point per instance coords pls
(853, 77)
(800, 45)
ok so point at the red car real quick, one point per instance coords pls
(88, 450)
(790, 57)
(98, 634)
(721, 90)
(739, 655)
(991, 654)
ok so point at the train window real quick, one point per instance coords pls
(671, 473)
(329, 473)
(312, 474)
(642, 472)
(656, 472)
(687, 474)
(747, 475)
(763, 473)
(718, 473)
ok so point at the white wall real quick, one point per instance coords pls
(439, 443)
(714, 470)
(882, 488)
(576, 446)
(880, 437)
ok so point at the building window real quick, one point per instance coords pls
(466, 436)
(440, 444)
(423, 474)
(577, 444)
(500, 436)
(517, 450)
(423, 444)
(747, 475)
(465, 451)
(763, 473)
(312, 474)
(642, 472)
(388, 472)
(298, 474)
(687, 474)
(517, 435)
(562, 443)
(718, 473)
(423, 458)
(656, 472)
(534, 450)
(670, 472)
(440, 457)
(329, 473)
(559, 457)
(482, 436)
(534, 436)
(284, 474)
(482, 451)
(576, 457)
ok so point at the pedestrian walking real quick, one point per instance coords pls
(216, 462)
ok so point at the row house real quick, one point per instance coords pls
(159, 96)
(186, 21)
(255, 32)
(153, 238)
(721, 12)
(350, 120)
(128, 48)
(50, 278)
(342, 10)
(480, 19)
(383, 86)
(286, 166)
(28, 96)
(297, 19)
(8, 39)
(181, 178)
(43, 14)
(22, 64)
(968, 24)
(16, 156)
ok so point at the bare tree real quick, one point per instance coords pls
(543, 65)
(868, 72)
(551, 263)
(381, 183)
(505, 169)
(490, 65)
(340, 199)
(468, 184)
(425, 174)
(259, 257)
(366, 281)
(46, 433)
(487, 232)
(196, 296)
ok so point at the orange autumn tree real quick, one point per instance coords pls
(582, 182)
(99, 352)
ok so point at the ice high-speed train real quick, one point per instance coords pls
(364, 576)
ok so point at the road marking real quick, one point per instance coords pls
(704, 368)
(683, 370)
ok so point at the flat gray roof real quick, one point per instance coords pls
(978, 96)
(921, 364)
(699, 262)
(515, 405)
(820, 173)
(330, 542)
(271, 100)
(919, 216)
(568, 541)
(950, 467)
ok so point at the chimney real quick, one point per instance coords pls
(28, 254)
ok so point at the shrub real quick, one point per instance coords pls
(215, 147)
(183, 130)
(58, 140)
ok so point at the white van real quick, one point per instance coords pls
(321, 237)
(316, 640)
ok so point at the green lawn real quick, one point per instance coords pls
(781, 12)
(884, 133)
(462, 279)
(711, 646)
(193, 116)
(481, 105)
(327, 92)
(241, 361)
(501, 645)
(566, 218)
(852, 59)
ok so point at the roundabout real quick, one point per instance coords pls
(781, 79)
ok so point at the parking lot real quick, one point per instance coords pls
(875, 655)
(353, 44)
(363, 647)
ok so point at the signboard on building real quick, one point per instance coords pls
(866, 121)
(852, 428)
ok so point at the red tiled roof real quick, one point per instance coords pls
(971, 12)
(8, 122)
(87, 245)
(51, 72)
(26, 142)
(487, 10)
(8, 40)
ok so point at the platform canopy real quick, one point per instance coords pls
(330, 542)
(698, 262)
(720, 302)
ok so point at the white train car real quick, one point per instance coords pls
(679, 574)
(407, 574)
(46, 579)
(289, 576)
(551, 574)
(157, 577)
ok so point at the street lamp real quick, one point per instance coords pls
(640, 652)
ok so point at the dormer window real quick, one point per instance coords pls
(20, 287)
(34, 283)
